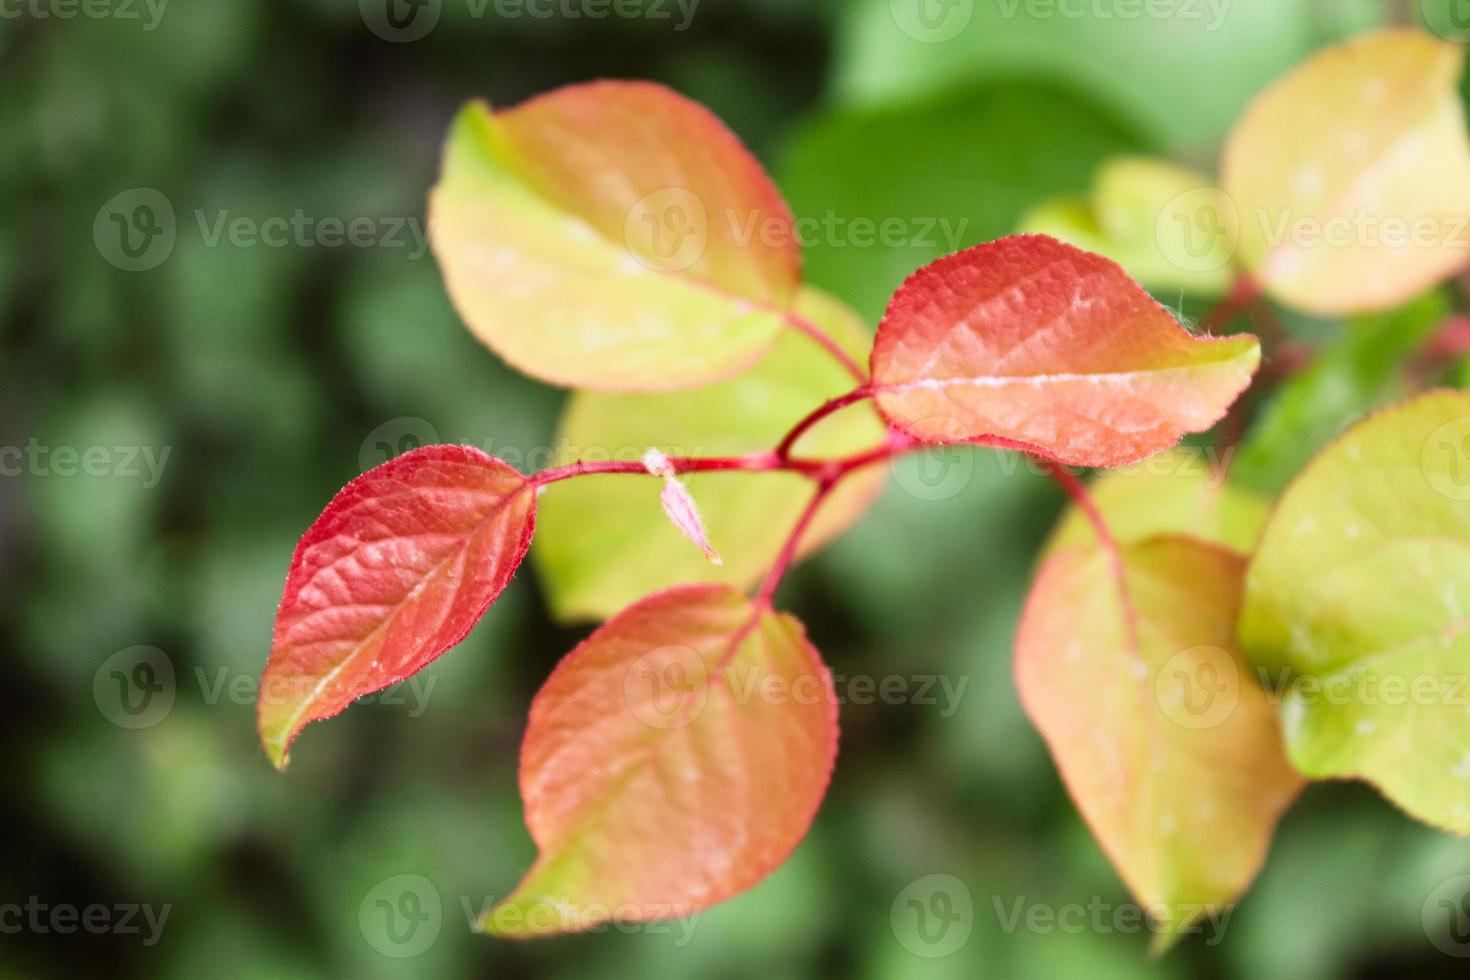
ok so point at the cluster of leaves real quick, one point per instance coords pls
(617, 239)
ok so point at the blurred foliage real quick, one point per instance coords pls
(273, 375)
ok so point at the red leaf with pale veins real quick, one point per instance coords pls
(673, 759)
(1028, 340)
(396, 570)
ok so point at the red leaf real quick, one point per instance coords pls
(673, 759)
(397, 569)
(1027, 340)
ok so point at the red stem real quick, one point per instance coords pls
(1077, 490)
(1243, 292)
(793, 540)
(783, 450)
(831, 346)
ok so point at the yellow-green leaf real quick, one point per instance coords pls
(1182, 491)
(604, 541)
(1351, 175)
(1168, 746)
(1357, 604)
(613, 235)
(1165, 224)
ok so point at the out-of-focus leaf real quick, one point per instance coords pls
(1181, 783)
(613, 235)
(1360, 370)
(1356, 604)
(954, 171)
(1350, 177)
(1184, 76)
(1142, 214)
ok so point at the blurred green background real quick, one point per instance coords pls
(272, 375)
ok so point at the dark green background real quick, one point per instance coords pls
(265, 371)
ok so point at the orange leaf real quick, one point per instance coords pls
(1164, 737)
(673, 759)
(1026, 340)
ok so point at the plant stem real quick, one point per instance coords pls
(1077, 490)
(788, 550)
(831, 346)
(783, 450)
(1243, 292)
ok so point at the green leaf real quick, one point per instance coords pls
(1144, 214)
(1359, 372)
(1358, 600)
(1183, 76)
(604, 541)
(955, 171)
